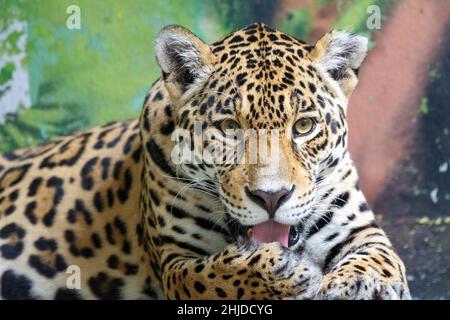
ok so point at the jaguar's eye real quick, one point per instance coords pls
(229, 124)
(304, 126)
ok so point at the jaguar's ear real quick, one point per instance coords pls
(340, 54)
(185, 60)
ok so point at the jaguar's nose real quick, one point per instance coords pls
(270, 201)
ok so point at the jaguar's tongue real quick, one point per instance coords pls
(271, 231)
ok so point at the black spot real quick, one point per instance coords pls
(168, 111)
(320, 223)
(211, 101)
(109, 233)
(364, 207)
(186, 291)
(86, 180)
(158, 96)
(56, 183)
(360, 268)
(43, 244)
(157, 155)
(273, 37)
(321, 101)
(224, 57)
(241, 78)
(202, 109)
(98, 202)
(161, 221)
(10, 210)
(199, 268)
(34, 186)
(127, 145)
(95, 238)
(117, 168)
(240, 293)
(154, 197)
(84, 252)
(221, 293)
(105, 163)
(333, 127)
(199, 287)
(254, 260)
(11, 251)
(60, 263)
(14, 195)
(15, 287)
(67, 294)
(120, 225)
(123, 191)
(126, 247)
(113, 261)
(167, 128)
(150, 292)
(332, 236)
(242, 271)
(131, 269)
(236, 38)
(341, 200)
(29, 212)
(110, 197)
(146, 120)
(72, 216)
(69, 236)
(45, 269)
(386, 273)
(105, 287)
(10, 229)
(48, 218)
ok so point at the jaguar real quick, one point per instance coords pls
(118, 211)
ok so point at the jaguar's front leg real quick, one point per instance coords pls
(364, 266)
(252, 271)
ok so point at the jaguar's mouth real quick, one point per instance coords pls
(269, 231)
(272, 231)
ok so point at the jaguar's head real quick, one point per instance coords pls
(263, 116)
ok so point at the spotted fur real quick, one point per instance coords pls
(111, 201)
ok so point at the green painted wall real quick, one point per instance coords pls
(100, 73)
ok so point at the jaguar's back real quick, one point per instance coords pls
(72, 202)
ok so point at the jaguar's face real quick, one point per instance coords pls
(268, 119)
(264, 148)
